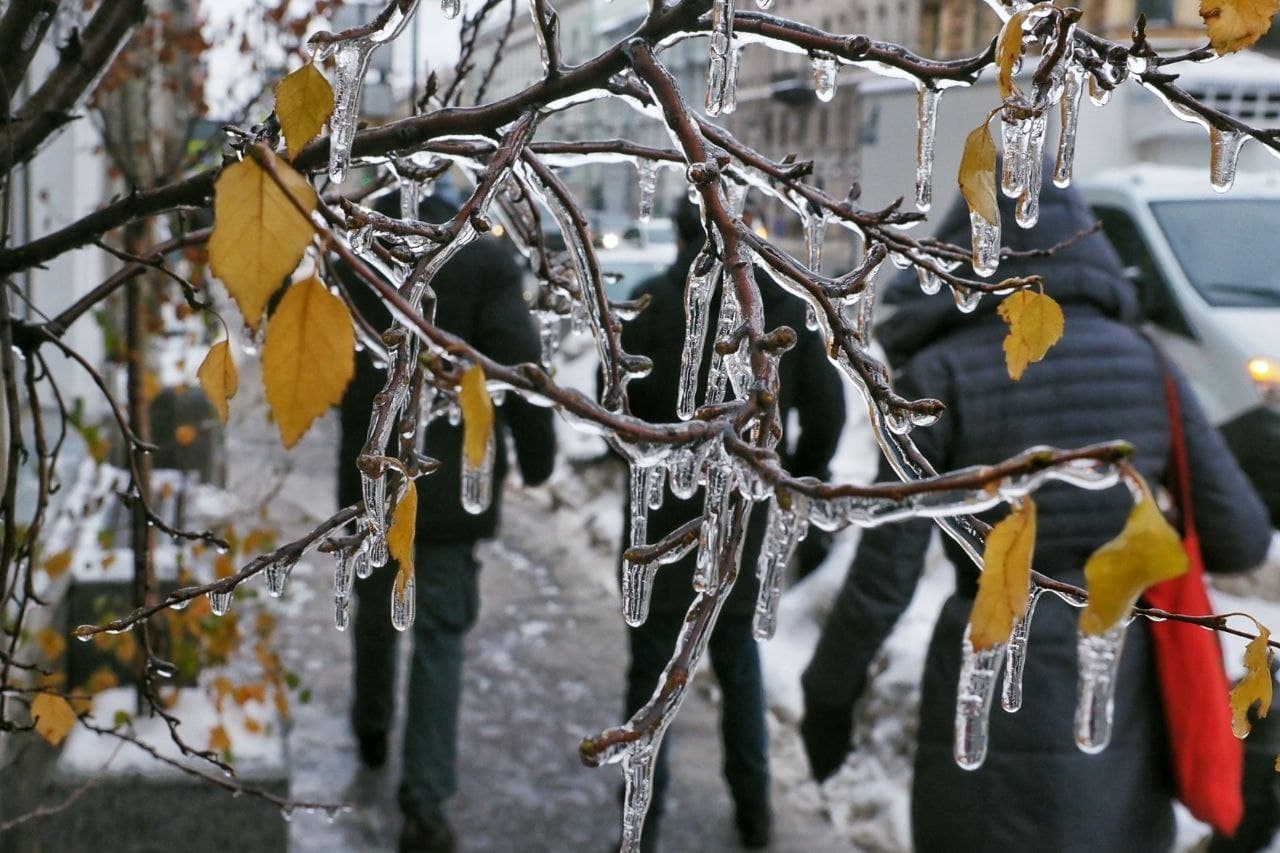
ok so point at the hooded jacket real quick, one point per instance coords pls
(1102, 381)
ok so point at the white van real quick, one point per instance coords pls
(1207, 269)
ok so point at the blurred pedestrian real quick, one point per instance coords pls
(479, 298)
(811, 389)
(1102, 381)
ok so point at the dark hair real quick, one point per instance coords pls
(687, 219)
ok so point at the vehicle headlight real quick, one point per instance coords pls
(610, 240)
(1265, 373)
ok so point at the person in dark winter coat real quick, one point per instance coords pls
(479, 299)
(1102, 381)
(811, 389)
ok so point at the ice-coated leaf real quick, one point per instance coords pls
(304, 102)
(308, 357)
(1005, 582)
(1237, 24)
(53, 716)
(1145, 552)
(1035, 324)
(477, 415)
(1255, 687)
(218, 377)
(978, 174)
(1008, 52)
(258, 235)
(404, 522)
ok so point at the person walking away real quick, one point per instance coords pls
(1102, 381)
(810, 388)
(479, 299)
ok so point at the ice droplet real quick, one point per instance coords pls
(684, 473)
(697, 306)
(815, 232)
(647, 172)
(719, 69)
(1014, 135)
(1016, 655)
(657, 478)
(1098, 659)
(926, 122)
(978, 671)
(930, 282)
(374, 490)
(637, 771)
(1064, 163)
(450, 8)
(341, 574)
(714, 513)
(341, 613)
(824, 76)
(966, 298)
(477, 481)
(360, 565)
(1224, 154)
(638, 503)
(764, 4)
(220, 602)
(717, 377)
(1027, 212)
(277, 573)
(810, 317)
(403, 603)
(637, 590)
(784, 529)
(1098, 95)
(986, 244)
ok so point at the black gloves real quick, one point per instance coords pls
(827, 732)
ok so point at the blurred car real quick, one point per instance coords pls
(1207, 269)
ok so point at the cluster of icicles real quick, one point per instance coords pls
(730, 485)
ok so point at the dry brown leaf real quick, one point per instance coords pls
(258, 235)
(308, 357)
(404, 523)
(978, 174)
(219, 378)
(1145, 552)
(1008, 52)
(1005, 582)
(1255, 688)
(1035, 324)
(54, 717)
(477, 416)
(304, 102)
(1237, 24)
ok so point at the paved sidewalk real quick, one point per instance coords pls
(545, 667)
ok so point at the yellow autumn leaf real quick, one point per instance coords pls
(304, 102)
(258, 235)
(308, 357)
(219, 740)
(1008, 52)
(1237, 24)
(1145, 552)
(477, 416)
(978, 174)
(58, 563)
(53, 716)
(52, 643)
(404, 522)
(219, 378)
(1255, 687)
(1005, 581)
(1035, 324)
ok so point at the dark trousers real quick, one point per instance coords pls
(735, 661)
(448, 600)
